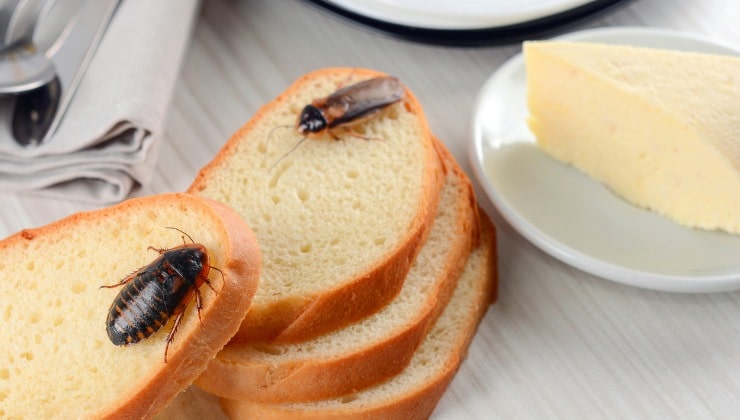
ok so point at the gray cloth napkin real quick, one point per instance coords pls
(107, 142)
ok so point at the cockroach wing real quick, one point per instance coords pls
(356, 101)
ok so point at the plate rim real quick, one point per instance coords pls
(572, 257)
(380, 10)
(476, 36)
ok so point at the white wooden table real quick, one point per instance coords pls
(559, 343)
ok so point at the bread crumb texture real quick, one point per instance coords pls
(414, 392)
(428, 272)
(437, 353)
(56, 359)
(322, 209)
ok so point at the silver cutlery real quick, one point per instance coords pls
(22, 66)
(38, 112)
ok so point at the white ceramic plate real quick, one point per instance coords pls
(576, 219)
(456, 14)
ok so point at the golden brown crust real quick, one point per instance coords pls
(195, 343)
(296, 319)
(195, 404)
(420, 402)
(192, 351)
(313, 379)
(284, 322)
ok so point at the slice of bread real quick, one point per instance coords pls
(415, 392)
(339, 222)
(57, 360)
(193, 404)
(373, 349)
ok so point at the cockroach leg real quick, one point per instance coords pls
(171, 335)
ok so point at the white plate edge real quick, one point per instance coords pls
(572, 257)
(387, 13)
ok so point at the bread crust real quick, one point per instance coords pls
(295, 319)
(418, 403)
(195, 343)
(194, 348)
(315, 378)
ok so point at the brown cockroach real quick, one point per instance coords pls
(158, 291)
(349, 105)
(346, 107)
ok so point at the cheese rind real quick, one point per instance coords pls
(660, 128)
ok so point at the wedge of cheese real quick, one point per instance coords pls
(660, 128)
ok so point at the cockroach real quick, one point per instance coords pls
(349, 105)
(158, 291)
(346, 107)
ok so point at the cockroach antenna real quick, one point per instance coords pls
(269, 136)
(288, 152)
(347, 106)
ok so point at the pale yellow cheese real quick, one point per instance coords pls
(660, 128)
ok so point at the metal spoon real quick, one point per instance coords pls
(38, 112)
(22, 66)
(22, 20)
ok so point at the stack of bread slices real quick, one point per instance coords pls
(348, 274)
(378, 262)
